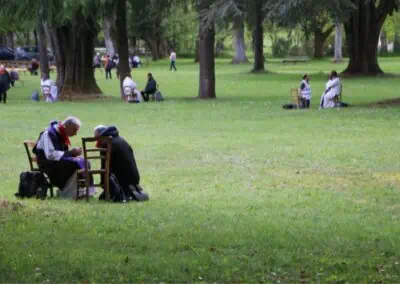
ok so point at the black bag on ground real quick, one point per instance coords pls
(117, 194)
(289, 106)
(135, 192)
(32, 184)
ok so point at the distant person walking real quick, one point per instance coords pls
(108, 66)
(5, 81)
(172, 58)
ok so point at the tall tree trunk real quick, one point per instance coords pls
(109, 37)
(73, 45)
(320, 38)
(258, 38)
(44, 59)
(134, 44)
(27, 38)
(384, 42)
(197, 51)
(10, 40)
(207, 58)
(36, 38)
(338, 42)
(396, 44)
(238, 41)
(122, 42)
(362, 33)
(319, 43)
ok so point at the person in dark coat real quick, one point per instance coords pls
(151, 87)
(122, 163)
(5, 81)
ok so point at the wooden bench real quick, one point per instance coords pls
(296, 59)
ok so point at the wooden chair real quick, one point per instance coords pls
(338, 99)
(33, 163)
(295, 93)
(93, 153)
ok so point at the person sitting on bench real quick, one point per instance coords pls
(55, 158)
(305, 92)
(151, 87)
(332, 91)
(130, 91)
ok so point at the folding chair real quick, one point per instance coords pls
(46, 90)
(295, 93)
(102, 154)
(29, 144)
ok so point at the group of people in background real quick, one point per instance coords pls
(329, 98)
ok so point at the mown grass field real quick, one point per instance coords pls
(241, 190)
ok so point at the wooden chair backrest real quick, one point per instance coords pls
(93, 153)
(29, 144)
(295, 93)
(46, 90)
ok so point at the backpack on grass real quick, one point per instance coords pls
(32, 184)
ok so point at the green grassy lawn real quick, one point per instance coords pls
(241, 190)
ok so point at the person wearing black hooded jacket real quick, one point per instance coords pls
(122, 163)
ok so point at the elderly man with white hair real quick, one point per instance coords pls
(56, 159)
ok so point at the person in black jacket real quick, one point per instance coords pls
(5, 81)
(122, 163)
(151, 87)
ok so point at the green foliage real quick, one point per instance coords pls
(241, 190)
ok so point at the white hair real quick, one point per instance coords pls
(99, 128)
(72, 120)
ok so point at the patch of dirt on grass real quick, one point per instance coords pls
(13, 206)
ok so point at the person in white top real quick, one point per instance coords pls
(131, 92)
(332, 91)
(172, 58)
(305, 92)
(47, 86)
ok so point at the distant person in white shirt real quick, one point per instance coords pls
(132, 94)
(136, 61)
(305, 92)
(332, 91)
(172, 58)
(49, 89)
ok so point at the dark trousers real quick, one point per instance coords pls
(305, 103)
(108, 74)
(3, 96)
(172, 66)
(146, 95)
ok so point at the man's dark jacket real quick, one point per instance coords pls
(122, 164)
(151, 86)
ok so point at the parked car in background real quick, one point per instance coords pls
(30, 52)
(6, 53)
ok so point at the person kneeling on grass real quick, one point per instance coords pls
(56, 160)
(151, 87)
(122, 163)
(305, 92)
(131, 93)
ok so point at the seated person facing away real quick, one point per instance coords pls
(46, 85)
(305, 92)
(34, 67)
(55, 158)
(332, 90)
(151, 87)
(122, 163)
(130, 91)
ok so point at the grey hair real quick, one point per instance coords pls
(72, 120)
